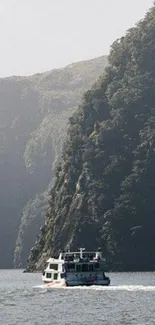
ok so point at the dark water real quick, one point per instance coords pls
(129, 300)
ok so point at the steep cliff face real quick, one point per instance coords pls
(104, 189)
(34, 113)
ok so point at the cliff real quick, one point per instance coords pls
(34, 113)
(104, 189)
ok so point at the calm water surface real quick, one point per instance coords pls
(130, 299)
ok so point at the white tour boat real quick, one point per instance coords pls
(76, 269)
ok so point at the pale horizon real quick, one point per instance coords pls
(41, 35)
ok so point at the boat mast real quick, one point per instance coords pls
(81, 252)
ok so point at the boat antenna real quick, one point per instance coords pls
(68, 248)
(81, 252)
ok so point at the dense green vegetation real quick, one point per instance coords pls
(105, 185)
(34, 113)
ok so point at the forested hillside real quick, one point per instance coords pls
(104, 191)
(34, 113)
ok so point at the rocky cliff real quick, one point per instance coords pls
(104, 189)
(34, 113)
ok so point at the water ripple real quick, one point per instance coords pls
(128, 300)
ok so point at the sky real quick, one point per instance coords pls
(40, 35)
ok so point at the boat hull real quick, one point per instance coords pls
(73, 283)
(55, 284)
(88, 284)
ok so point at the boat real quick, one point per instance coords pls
(81, 268)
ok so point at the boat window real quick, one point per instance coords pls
(54, 266)
(71, 266)
(96, 265)
(55, 276)
(48, 275)
(78, 268)
(91, 267)
(62, 275)
(84, 267)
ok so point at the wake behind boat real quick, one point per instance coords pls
(80, 268)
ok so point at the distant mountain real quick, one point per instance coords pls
(104, 193)
(34, 113)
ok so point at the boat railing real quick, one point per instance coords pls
(81, 255)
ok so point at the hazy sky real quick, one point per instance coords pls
(39, 35)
